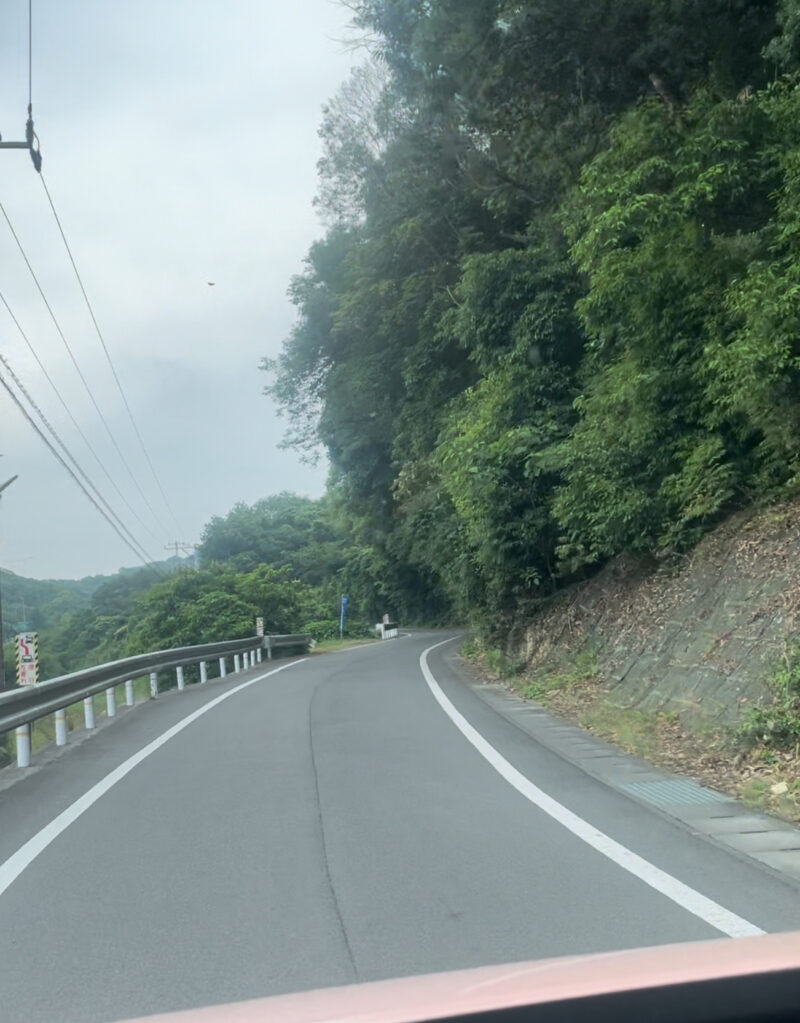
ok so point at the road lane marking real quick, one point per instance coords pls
(681, 894)
(27, 853)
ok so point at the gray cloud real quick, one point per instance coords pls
(180, 146)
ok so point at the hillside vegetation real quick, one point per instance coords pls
(555, 314)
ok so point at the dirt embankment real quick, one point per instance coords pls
(700, 638)
(669, 660)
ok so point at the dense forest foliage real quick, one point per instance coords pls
(283, 559)
(556, 312)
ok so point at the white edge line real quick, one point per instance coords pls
(27, 853)
(681, 894)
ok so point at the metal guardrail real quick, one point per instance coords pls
(20, 707)
(272, 642)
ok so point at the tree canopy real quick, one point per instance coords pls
(554, 316)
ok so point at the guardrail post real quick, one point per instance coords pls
(72, 687)
(61, 727)
(23, 736)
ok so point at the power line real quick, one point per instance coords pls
(23, 410)
(75, 423)
(53, 433)
(107, 353)
(78, 369)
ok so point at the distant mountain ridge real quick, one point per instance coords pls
(36, 604)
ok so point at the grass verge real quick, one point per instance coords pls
(326, 645)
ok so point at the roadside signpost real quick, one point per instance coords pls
(27, 649)
(259, 626)
(342, 615)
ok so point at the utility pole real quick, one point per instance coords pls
(183, 547)
(31, 142)
(3, 684)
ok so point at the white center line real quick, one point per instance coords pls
(687, 898)
(27, 853)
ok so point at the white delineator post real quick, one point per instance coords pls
(23, 737)
(111, 703)
(129, 697)
(258, 655)
(203, 672)
(269, 647)
(153, 685)
(61, 727)
(88, 711)
(237, 663)
(222, 669)
(179, 676)
(252, 658)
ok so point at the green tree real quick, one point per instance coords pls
(282, 530)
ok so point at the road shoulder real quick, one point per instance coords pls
(718, 817)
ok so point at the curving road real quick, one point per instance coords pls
(330, 823)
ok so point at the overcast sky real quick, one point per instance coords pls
(180, 144)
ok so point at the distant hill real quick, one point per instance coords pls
(42, 603)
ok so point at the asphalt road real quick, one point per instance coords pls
(327, 824)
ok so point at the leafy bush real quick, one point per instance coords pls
(499, 663)
(777, 724)
(326, 628)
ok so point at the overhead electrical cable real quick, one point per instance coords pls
(4, 383)
(107, 353)
(106, 508)
(80, 371)
(75, 422)
(68, 454)
(74, 469)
